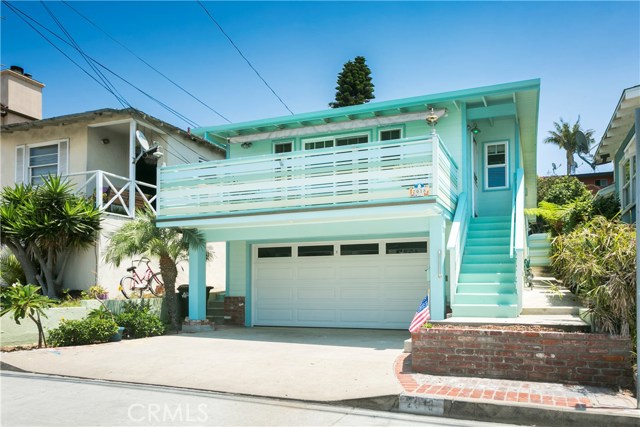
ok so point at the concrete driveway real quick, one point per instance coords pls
(296, 363)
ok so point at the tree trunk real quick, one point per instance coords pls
(169, 273)
(25, 261)
(41, 338)
(569, 161)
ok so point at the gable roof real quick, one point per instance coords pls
(108, 112)
(620, 125)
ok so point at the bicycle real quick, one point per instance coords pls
(150, 281)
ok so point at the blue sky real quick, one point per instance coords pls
(585, 53)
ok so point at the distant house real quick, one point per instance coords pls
(596, 181)
(347, 217)
(618, 145)
(97, 151)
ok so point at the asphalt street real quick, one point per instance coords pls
(42, 400)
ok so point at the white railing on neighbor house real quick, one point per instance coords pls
(114, 194)
(456, 243)
(518, 233)
(373, 173)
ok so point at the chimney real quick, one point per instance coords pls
(20, 96)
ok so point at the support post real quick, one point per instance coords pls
(132, 169)
(637, 248)
(197, 283)
(437, 249)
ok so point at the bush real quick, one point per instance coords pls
(560, 189)
(139, 321)
(82, 332)
(598, 262)
(608, 206)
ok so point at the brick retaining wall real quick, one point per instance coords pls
(234, 307)
(565, 357)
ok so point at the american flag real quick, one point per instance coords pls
(422, 315)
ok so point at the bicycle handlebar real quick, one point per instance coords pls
(140, 261)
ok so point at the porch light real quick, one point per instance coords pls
(246, 145)
(474, 130)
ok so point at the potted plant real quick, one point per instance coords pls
(98, 292)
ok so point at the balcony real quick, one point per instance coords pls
(114, 194)
(381, 173)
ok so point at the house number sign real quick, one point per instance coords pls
(419, 190)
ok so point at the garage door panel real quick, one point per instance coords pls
(353, 291)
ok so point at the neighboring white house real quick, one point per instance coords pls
(97, 151)
(618, 145)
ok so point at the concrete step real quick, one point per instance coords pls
(469, 268)
(484, 310)
(566, 322)
(486, 298)
(492, 278)
(486, 250)
(213, 304)
(486, 258)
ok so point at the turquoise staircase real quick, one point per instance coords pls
(539, 249)
(487, 280)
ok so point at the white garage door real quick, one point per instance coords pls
(364, 284)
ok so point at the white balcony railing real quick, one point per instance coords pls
(374, 173)
(114, 194)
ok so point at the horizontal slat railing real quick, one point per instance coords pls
(370, 173)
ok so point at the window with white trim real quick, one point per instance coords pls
(389, 134)
(282, 147)
(628, 181)
(335, 141)
(34, 162)
(603, 182)
(496, 172)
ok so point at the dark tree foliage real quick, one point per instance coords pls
(354, 84)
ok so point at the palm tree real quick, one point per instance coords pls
(564, 136)
(170, 245)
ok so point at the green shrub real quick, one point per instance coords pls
(139, 321)
(608, 206)
(598, 262)
(560, 189)
(81, 332)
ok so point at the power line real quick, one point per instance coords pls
(146, 63)
(98, 73)
(162, 104)
(243, 57)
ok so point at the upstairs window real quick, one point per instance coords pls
(496, 170)
(352, 140)
(335, 141)
(282, 147)
(315, 145)
(390, 134)
(628, 172)
(36, 162)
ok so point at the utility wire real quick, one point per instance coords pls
(165, 106)
(146, 63)
(98, 73)
(242, 55)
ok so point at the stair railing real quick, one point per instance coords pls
(518, 232)
(456, 243)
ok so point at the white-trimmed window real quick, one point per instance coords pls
(389, 134)
(34, 162)
(496, 171)
(334, 141)
(628, 177)
(282, 147)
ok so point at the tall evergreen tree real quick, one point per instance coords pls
(354, 84)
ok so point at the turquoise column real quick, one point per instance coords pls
(436, 271)
(197, 283)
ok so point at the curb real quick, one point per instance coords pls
(516, 414)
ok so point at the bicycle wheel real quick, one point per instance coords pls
(155, 284)
(127, 286)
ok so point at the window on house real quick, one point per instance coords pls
(352, 140)
(390, 134)
(275, 252)
(42, 161)
(602, 182)
(282, 147)
(627, 189)
(315, 145)
(496, 171)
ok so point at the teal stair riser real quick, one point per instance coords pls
(485, 258)
(499, 299)
(484, 288)
(468, 268)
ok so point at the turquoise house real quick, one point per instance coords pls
(618, 146)
(347, 217)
